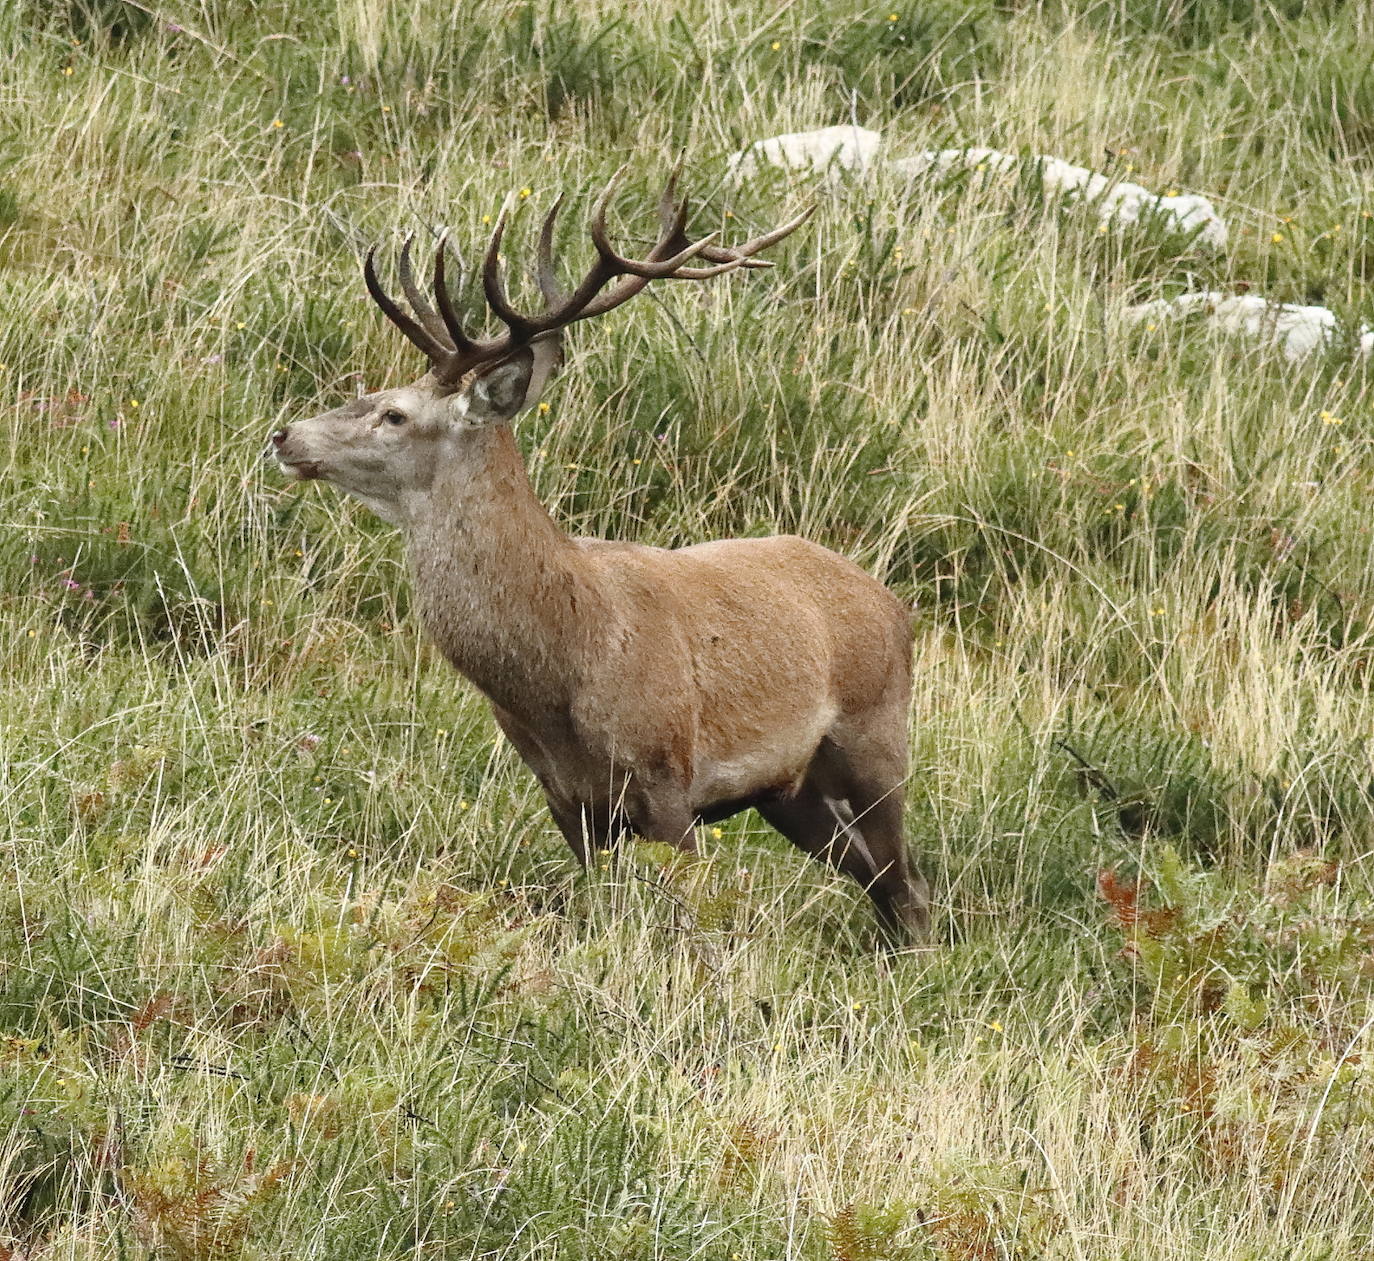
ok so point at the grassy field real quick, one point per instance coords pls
(293, 962)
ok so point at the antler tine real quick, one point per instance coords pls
(742, 255)
(672, 216)
(656, 266)
(429, 317)
(416, 333)
(547, 276)
(462, 343)
(522, 328)
(749, 248)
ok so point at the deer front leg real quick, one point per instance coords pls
(585, 827)
(662, 813)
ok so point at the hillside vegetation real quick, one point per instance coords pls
(293, 962)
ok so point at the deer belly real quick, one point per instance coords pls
(774, 765)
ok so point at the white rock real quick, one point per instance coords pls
(1296, 330)
(831, 148)
(1121, 202)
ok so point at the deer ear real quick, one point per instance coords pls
(512, 385)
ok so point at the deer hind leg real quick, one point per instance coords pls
(851, 818)
(900, 892)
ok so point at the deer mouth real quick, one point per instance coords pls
(302, 471)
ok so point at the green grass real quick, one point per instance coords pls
(292, 960)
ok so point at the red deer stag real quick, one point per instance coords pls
(647, 689)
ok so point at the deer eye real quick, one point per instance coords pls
(394, 417)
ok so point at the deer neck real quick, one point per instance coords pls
(504, 593)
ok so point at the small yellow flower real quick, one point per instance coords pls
(240, 324)
(996, 1025)
(133, 402)
(68, 71)
(1276, 238)
(775, 45)
(1068, 455)
(908, 310)
(352, 853)
(1101, 227)
(277, 122)
(715, 834)
(634, 461)
(525, 192)
(463, 804)
(982, 166)
(1157, 612)
(1150, 328)
(443, 731)
(486, 218)
(329, 801)
(1328, 419)
(892, 17)
(544, 407)
(386, 109)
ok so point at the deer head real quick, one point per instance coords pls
(384, 448)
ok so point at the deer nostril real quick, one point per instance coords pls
(279, 436)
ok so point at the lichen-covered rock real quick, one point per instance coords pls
(1114, 200)
(1297, 330)
(845, 148)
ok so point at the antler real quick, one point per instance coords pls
(453, 352)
